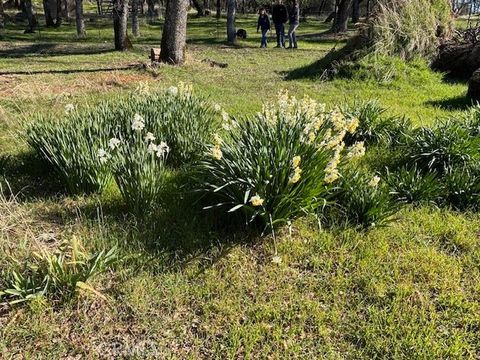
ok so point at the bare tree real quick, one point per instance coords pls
(219, 8)
(231, 13)
(135, 23)
(79, 19)
(199, 7)
(47, 10)
(174, 35)
(2, 15)
(341, 17)
(58, 21)
(120, 18)
(31, 18)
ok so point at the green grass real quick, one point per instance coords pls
(192, 288)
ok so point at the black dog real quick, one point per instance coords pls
(242, 34)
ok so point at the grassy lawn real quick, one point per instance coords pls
(189, 288)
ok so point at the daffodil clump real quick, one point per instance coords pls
(138, 165)
(79, 145)
(281, 163)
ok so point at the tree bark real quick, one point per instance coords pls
(58, 21)
(2, 15)
(199, 7)
(79, 19)
(48, 13)
(135, 23)
(341, 17)
(231, 13)
(120, 18)
(150, 10)
(356, 11)
(219, 9)
(174, 35)
(32, 19)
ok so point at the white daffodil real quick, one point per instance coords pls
(113, 143)
(172, 90)
(138, 123)
(69, 108)
(150, 137)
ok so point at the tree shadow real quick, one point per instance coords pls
(456, 103)
(68, 71)
(30, 177)
(51, 49)
(319, 68)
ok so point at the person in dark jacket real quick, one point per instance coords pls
(263, 24)
(294, 21)
(280, 17)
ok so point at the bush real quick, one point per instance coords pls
(411, 185)
(281, 163)
(374, 126)
(72, 144)
(443, 148)
(462, 189)
(60, 275)
(138, 166)
(360, 199)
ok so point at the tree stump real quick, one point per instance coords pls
(155, 54)
(474, 86)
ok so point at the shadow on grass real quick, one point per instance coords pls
(67, 71)
(51, 49)
(30, 177)
(455, 103)
(318, 68)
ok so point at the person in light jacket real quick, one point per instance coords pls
(294, 21)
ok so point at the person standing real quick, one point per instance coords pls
(280, 17)
(294, 21)
(263, 24)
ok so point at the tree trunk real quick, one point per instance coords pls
(199, 7)
(135, 23)
(48, 13)
(231, 30)
(58, 21)
(219, 9)
(150, 10)
(79, 19)
(356, 11)
(174, 35)
(341, 18)
(2, 15)
(32, 20)
(120, 18)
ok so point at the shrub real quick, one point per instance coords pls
(411, 185)
(462, 188)
(138, 166)
(184, 121)
(447, 146)
(374, 126)
(59, 275)
(281, 163)
(70, 146)
(361, 199)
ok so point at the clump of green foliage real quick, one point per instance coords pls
(59, 275)
(281, 163)
(362, 200)
(117, 138)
